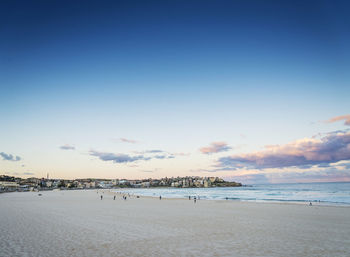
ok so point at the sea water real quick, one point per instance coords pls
(324, 193)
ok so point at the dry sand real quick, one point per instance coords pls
(78, 223)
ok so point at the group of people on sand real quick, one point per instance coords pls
(195, 198)
(114, 197)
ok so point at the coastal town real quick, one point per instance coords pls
(10, 183)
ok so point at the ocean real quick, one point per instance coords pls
(335, 193)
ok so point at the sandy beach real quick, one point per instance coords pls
(78, 223)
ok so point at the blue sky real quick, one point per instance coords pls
(174, 76)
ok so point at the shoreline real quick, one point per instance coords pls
(314, 202)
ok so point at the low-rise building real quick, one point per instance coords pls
(8, 186)
(146, 184)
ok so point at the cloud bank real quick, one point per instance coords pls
(126, 158)
(327, 175)
(331, 148)
(10, 157)
(215, 147)
(346, 119)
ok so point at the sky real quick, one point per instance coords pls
(250, 91)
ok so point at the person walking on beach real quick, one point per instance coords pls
(114, 198)
(101, 197)
(189, 197)
(195, 199)
(160, 197)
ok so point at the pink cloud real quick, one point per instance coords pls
(342, 117)
(215, 147)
